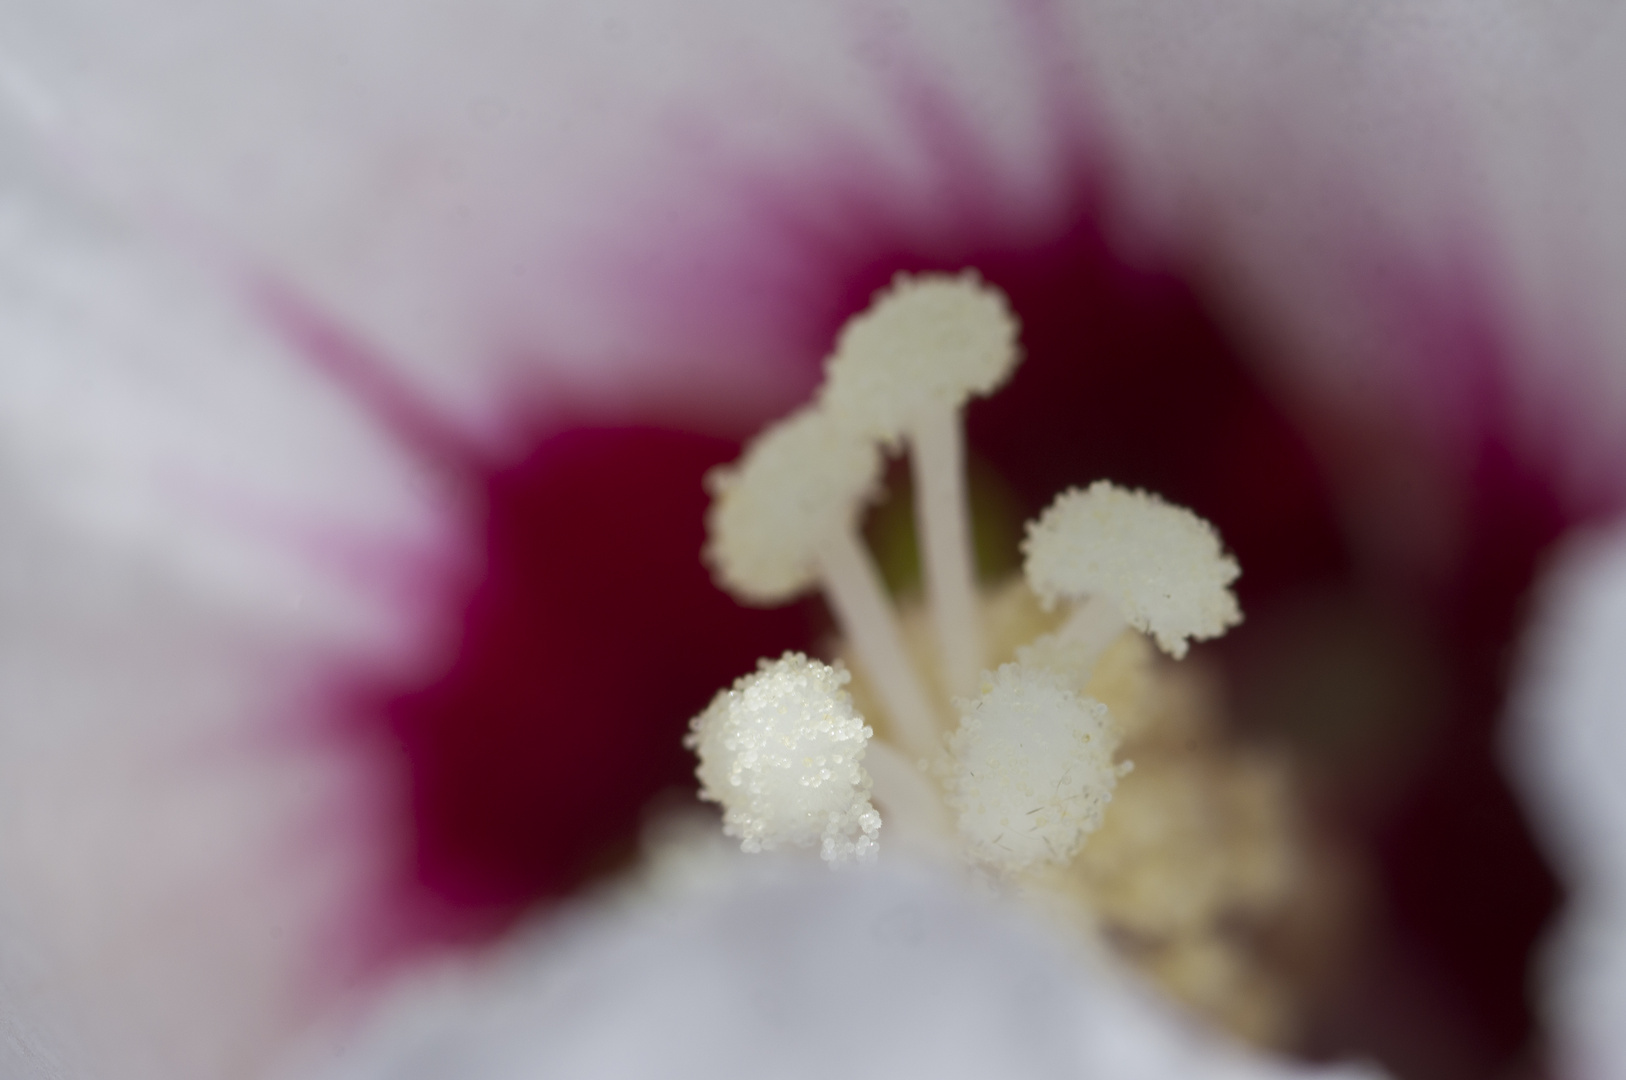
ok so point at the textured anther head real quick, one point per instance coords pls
(929, 339)
(1162, 565)
(782, 751)
(799, 481)
(1032, 769)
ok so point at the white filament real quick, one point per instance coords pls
(858, 600)
(905, 368)
(915, 814)
(1074, 649)
(938, 457)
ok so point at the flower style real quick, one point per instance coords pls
(223, 513)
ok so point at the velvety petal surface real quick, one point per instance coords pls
(471, 183)
(1568, 746)
(197, 526)
(570, 214)
(791, 970)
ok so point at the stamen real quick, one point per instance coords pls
(938, 460)
(781, 751)
(904, 369)
(799, 481)
(1032, 769)
(915, 813)
(785, 517)
(857, 596)
(1074, 648)
(1161, 565)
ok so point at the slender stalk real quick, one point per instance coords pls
(1091, 628)
(858, 598)
(943, 519)
(911, 809)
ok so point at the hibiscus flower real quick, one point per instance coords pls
(362, 365)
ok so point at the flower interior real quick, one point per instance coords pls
(1333, 764)
(997, 726)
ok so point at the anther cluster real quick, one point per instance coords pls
(797, 483)
(931, 340)
(781, 751)
(1161, 564)
(1032, 769)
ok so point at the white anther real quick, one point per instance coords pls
(1032, 769)
(782, 751)
(1162, 565)
(799, 482)
(902, 370)
(932, 340)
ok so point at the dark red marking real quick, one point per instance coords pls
(593, 637)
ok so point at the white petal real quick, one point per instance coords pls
(486, 185)
(1416, 207)
(1568, 750)
(481, 187)
(1404, 201)
(199, 530)
(142, 402)
(886, 973)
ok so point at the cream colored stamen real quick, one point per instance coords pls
(1032, 769)
(903, 370)
(857, 597)
(937, 454)
(1197, 850)
(1076, 648)
(1162, 565)
(782, 750)
(785, 518)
